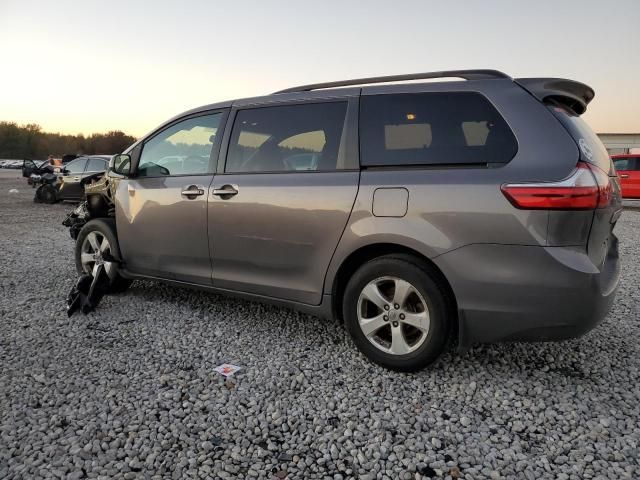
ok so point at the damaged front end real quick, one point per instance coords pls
(99, 191)
(91, 286)
(76, 219)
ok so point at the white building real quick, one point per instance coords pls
(618, 143)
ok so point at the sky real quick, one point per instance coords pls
(91, 66)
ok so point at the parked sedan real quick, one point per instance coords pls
(75, 171)
(628, 169)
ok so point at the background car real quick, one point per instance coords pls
(33, 168)
(75, 171)
(11, 164)
(628, 169)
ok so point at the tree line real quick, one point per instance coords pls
(29, 141)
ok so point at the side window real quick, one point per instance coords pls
(623, 164)
(76, 166)
(96, 165)
(182, 149)
(287, 138)
(433, 129)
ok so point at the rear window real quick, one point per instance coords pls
(433, 129)
(591, 148)
(96, 165)
(77, 166)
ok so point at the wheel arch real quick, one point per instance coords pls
(368, 252)
(98, 206)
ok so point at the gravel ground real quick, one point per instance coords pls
(129, 391)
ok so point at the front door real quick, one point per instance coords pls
(162, 209)
(280, 203)
(628, 170)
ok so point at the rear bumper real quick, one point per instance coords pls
(528, 293)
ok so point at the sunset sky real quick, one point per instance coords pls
(92, 66)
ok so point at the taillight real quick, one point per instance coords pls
(587, 188)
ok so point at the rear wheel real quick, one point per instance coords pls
(97, 245)
(396, 313)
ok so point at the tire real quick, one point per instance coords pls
(101, 229)
(48, 194)
(393, 341)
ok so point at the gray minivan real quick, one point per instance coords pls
(475, 210)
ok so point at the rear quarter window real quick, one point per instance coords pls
(433, 129)
(591, 148)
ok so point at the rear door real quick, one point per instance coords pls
(161, 211)
(282, 198)
(95, 165)
(71, 177)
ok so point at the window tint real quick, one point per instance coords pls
(625, 164)
(431, 129)
(622, 164)
(96, 165)
(287, 138)
(76, 166)
(182, 149)
(591, 148)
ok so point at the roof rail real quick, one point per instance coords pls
(465, 74)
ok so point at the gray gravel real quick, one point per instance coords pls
(129, 391)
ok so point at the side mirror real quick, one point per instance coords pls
(120, 164)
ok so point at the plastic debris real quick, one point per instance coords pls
(227, 369)
(14, 190)
(87, 292)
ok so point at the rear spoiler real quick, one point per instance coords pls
(569, 93)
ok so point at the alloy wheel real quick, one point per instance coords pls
(393, 315)
(95, 253)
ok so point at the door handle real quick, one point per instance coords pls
(226, 191)
(624, 176)
(193, 191)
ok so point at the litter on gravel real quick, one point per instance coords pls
(227, 369)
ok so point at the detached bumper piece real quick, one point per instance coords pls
(88, 290)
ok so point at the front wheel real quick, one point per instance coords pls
(97, 245)
(396, 313)
(47, 194)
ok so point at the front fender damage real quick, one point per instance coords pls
(89, 289)
(99, 191)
